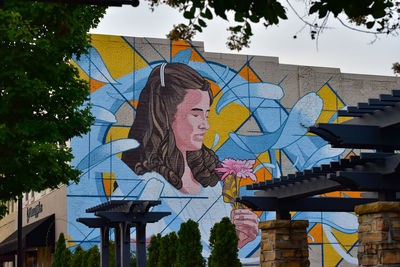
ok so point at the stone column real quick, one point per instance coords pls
(284, 243)
(379, 234)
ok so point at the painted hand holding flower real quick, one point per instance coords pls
(234, 171)
(246, 221)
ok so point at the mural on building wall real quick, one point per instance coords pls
(193, 133)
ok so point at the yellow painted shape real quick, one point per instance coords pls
(331, 104)
(82, 74)
(345, 239)
(117, 55)
(331, 101)
(229, 119)
(116, 133)
(109, 183)
(248, 74)
(331, 257)
(325, 116)
(69, 239)
(343, 119)
(180, 45)
(278, 155)
(264, 157)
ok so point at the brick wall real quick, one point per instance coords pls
(379, 234)
(284, 243)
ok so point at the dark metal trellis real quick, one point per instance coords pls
(375, 126)
(121, 215)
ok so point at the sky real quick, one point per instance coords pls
(337, 46)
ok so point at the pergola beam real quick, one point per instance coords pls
(325, 204)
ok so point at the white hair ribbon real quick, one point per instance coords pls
(162, 68)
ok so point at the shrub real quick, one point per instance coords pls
(223, 244)
(189, 246)
(77, 257)
(167, 256)
(154, 251)
(62, 254)
(93, 257)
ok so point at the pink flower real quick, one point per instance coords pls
(240, 168)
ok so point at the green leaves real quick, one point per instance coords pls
(41, 96)
(189, 246)
(224, 245)
(385, 15)
(202, 23)
(396, 68)
(207, 13)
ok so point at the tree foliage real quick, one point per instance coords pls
(62, 255)
(378, 16)
(189, 247)
(154, 250)
(223, 244)
(40, 93)
(77, 257)
(396, 68)
(167, 254)
(93, 257)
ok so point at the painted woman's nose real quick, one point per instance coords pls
(204, 123)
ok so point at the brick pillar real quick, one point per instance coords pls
(284, 243)
(379, 234)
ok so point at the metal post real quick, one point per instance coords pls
(117, 247)
(141, 245)
(125, 245)
(104, 246)
(19, 230)
(283, 215)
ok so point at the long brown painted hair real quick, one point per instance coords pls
(152, 128)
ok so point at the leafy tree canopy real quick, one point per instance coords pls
(189, 248)
(375, 16)
(40, 93)
(62, 255)
(223, 244)
(167, 250)
(154, 251)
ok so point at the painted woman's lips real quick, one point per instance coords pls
(198, 137)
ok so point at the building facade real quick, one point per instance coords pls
(44, 217)
(256, 127)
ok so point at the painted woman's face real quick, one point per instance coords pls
(191, 124)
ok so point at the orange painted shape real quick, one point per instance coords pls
(109, 183)
(95, 85)
(263, 175)
(355, 194)
(248, 74)
(214, 87)
(316, 233)
(180, 45)
(134, 103)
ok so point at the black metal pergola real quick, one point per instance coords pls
(374, 126)
(121, 215)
